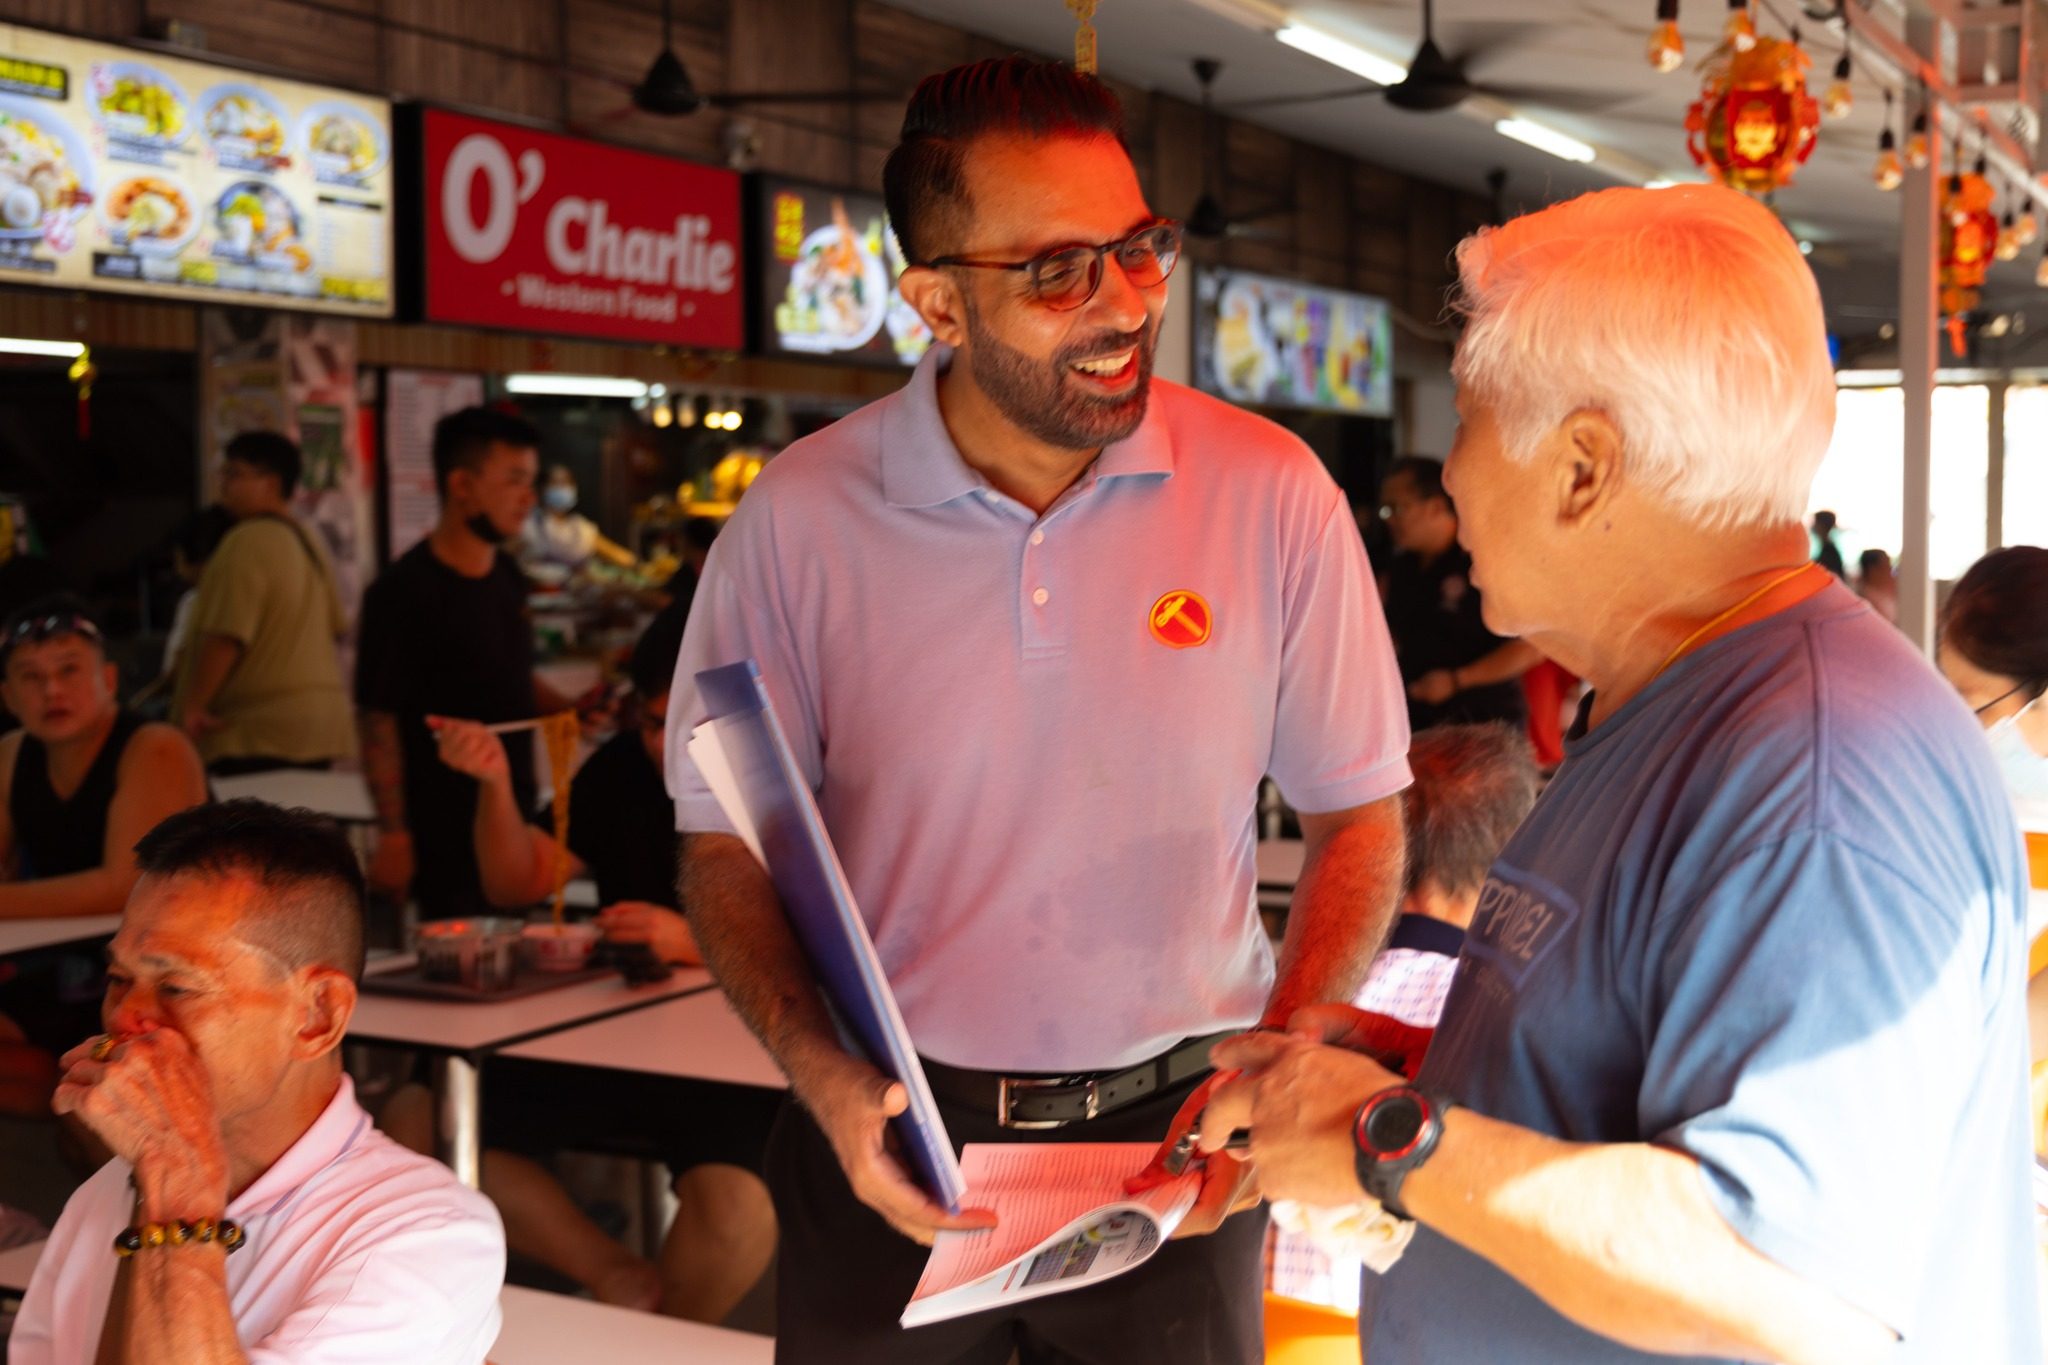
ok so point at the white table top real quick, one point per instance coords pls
(344, 796)
(547, 1329)
(21, 935)
(1280, 861)
(463, 1026)
(695, 1038)
(18, 1264)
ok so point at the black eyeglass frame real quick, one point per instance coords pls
(1035, 267)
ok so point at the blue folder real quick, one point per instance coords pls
(819, 903)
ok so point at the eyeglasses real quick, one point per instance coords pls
(1067, 278)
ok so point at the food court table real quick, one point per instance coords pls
(697, 1037)
(25, 935)
(458, 1034)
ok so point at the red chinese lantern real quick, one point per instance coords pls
(1969, 241)
(1754, 125)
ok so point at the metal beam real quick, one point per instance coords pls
(1919, 316)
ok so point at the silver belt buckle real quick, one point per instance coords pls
(1006, 1085)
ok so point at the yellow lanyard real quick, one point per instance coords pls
(1689, 641)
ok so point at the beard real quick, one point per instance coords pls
(1041, 396)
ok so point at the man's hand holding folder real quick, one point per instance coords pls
(852, 1103)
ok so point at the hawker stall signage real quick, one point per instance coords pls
(540, 233)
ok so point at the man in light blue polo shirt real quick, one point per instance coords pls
(1734, 1063)
(1037, 628)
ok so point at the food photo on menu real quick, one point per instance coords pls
(839, 295)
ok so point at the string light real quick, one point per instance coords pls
(1740, 28)
(2008, 248)
(2041, 271)
(1667, 45)
(1918, 154)
(1839, 99)
(1889, 172)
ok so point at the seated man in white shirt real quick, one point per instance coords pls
(251, 1213)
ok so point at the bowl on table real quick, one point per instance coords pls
(478, 952)
(554, 947)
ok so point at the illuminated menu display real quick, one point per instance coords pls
(1286, 344)
(155, 175)
(829, 277)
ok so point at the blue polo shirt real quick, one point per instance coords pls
(1768, 914)
(1037, 740)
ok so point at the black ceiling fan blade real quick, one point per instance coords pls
(727, 101)
(1277, 101)
(1563, 98)
(1471, 46)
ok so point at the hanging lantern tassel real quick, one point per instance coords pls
(1958, 336)
(1667, 44)
(1084, 36)
(82, 373)
(1839, 99)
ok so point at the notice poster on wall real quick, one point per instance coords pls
(149, 174)
(829, 277)
(414, 400)
(1286, 344)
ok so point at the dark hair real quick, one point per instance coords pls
(654, 657)
(269, 452)
(1426, 474)
(463, 440)
(199, 535)
(27, 626)
(924, 181)
(1873, 559)
(1997, 617)
(314, 914)
(1473, 785)
(1824, 522)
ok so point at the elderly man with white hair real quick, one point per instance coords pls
(1733, 1064)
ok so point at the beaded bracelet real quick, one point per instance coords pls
(225, 1231)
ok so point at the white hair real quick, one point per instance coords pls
(1686, 315)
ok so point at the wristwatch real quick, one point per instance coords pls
(1395, 1132)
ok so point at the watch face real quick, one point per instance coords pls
(1392, 1125)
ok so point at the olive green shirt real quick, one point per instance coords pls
(270, 587)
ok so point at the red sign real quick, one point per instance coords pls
(543, 233)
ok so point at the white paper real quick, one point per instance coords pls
(1064, 1221)
(707, 751)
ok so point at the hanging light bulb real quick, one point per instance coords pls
(2008, 247)
(1918, 154)
(1890, 172)
(2041, 271)
(1740, 29)
(1667, 45)
(2029, 227)
(663, 413)
(1839, 99)
(686, 411)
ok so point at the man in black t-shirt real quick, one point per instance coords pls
(444, 631)
(1457, 671)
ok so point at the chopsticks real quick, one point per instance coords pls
(513, 727)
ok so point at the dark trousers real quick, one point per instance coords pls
(843, 1274)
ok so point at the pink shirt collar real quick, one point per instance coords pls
(340, 1126)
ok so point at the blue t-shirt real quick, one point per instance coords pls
(1769, 914)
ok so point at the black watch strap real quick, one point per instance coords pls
(1394, 1132)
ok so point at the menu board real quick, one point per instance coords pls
(155, 175)
(829, 279)
(1285, 344)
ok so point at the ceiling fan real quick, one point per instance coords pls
(1437, 81)
(667, 91)
(1208, 220)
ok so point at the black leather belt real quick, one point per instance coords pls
(1055, 1101)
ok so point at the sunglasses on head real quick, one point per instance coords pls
(36, 629)
(1067, 277)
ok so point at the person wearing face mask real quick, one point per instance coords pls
(444, 632)
(1994, 649)
(558, 535)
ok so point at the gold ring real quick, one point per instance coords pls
(104, 1048)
